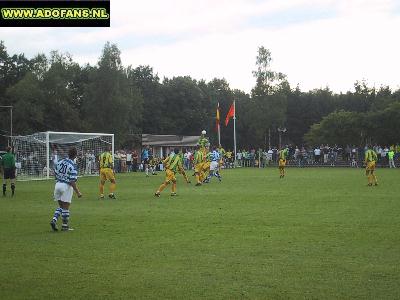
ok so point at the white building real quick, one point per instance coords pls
(163, 144)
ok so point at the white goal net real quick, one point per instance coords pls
(36, 154)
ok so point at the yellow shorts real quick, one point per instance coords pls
(282, 162)
(169, 176)
(107, 174)
(198, 168)
(370, 166)
(206, 166)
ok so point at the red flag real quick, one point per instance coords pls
(231, 114)
(217, 118)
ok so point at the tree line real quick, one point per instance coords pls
(56, 93)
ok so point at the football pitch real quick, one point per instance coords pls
(316, 234)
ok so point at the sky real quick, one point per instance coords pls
(316, 43)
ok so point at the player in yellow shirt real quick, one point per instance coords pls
(172, 164)
(222, 154)
(370, 162)
(229, 162)
(206, 166)
(198, 165)
(203, 141)
(106, 167)
(283, 154)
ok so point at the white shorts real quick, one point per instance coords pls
(63, 192)
(214, 166)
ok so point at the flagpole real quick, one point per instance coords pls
(234, 130)
(219, 129)
(219, 135)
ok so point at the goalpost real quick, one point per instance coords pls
(36, 154)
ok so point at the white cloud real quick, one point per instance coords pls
(209, 38)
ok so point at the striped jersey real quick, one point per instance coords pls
(203, 142)
(209, 157)
(198, 157)
(370, 155)
(173, 162)
(283, 154)
(66, 171)
(215, 156)
(106, 160)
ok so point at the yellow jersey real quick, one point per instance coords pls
(106, 160)
(370, 156)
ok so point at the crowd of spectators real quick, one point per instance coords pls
(34, 163)
(323, 155)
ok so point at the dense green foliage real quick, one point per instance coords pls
(56, 93)
(317, 234)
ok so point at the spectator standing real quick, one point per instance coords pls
(123, 161)
(354, 153)
(252, 158)
(317, 155)
(129, 161)
(331, 156)
(88, 163)
(335, 152)
(269, 156)
(146, 160)
(379, 153)
(275, 154)
(186, 160)
(396, 151)
(347, 153)
(297, 154)
(54, 159)
(117, 164)
(385, 152)
(303, 156)
(391, 159)
(135, 158)
(239, 158)
(325, 150)
(264, 158)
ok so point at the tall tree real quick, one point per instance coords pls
(109, 101)
(149, 87)
(62, 109)
(340, 128)
(29, 101)
(269, 98)
(183, 110)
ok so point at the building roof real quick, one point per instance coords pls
(169, 140)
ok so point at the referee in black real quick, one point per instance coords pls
(8, 164)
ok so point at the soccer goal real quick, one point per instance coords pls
(36, 154)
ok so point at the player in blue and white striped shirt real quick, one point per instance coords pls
(214, 165)
(66, 174)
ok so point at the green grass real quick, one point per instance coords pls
(317, 234)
